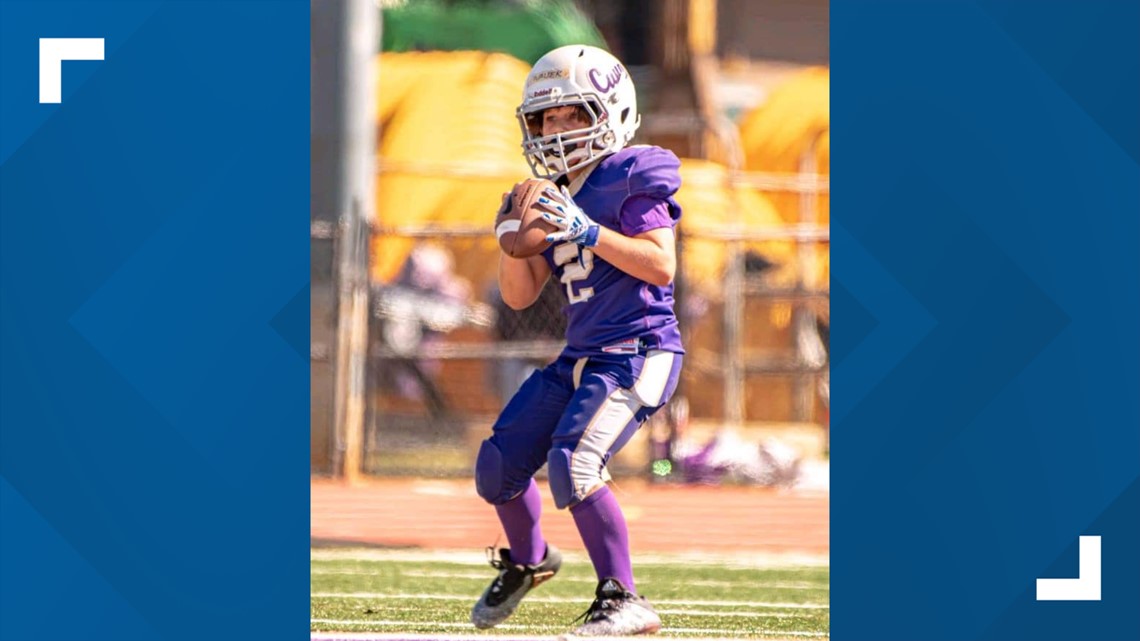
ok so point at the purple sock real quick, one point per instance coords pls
(519, 517)
(602, 526)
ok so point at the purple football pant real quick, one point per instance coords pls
(574, 414)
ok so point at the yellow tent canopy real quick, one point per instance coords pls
(791, 132)
(712, 207)
(777, 135)
(445, 109)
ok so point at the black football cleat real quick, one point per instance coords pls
(501, 598)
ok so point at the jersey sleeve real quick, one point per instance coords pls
(653, 179)
(640, 214)
(655, 173)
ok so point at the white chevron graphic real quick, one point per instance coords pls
(1086, 587)
(53, 51)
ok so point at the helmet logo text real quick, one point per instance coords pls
(608, 82)
(548, 74)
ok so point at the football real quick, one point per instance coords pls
(519, 226)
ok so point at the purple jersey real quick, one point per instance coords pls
(609, 311)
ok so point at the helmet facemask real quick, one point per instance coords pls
(558, 154)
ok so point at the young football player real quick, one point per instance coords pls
(614, 254)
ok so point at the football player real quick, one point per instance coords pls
(614, 254)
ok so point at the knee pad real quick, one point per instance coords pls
(558, 469)
(489, 473)
(572, 477)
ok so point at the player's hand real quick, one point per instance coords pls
(574, 225)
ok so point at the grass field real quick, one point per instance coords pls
(431, 593)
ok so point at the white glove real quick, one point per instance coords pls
(575, 225)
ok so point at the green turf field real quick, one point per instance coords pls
(418, 592)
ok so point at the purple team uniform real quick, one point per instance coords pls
(623, 354)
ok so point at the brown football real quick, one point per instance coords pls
(519, 225)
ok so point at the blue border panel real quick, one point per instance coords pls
(153, 247)
(986, 224)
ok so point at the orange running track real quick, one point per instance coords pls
(447, 514)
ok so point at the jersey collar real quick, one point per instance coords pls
(576, 184)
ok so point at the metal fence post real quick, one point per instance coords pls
(803, 319)
(734, 318)
(345, 48)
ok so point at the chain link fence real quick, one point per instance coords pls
(445, 354)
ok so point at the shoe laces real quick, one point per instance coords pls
(495, 559)
(511, 575)
(602, 606)
(598, 611)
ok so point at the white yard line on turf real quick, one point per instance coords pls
(742, 560)
(751, 633)
(374, 636)
(555, 599)
(485, 576)
(410, 624)
(730, 613)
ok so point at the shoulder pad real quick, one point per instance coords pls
(654, 172)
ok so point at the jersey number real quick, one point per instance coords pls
(579, 262)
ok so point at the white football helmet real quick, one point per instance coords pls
(583, 76)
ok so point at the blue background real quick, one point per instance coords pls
(986, 310)
(154, 253)
(154, 453)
